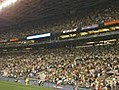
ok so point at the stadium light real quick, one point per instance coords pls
(7, 3)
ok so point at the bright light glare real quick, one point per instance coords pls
(7, 3)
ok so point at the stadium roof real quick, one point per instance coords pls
(29, 10)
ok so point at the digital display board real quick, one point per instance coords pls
(13, 39)
(90, 27)
(38, 36)
(69, 31)
(111, 22)
(68, 36)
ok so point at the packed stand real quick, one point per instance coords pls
(71, 65)
(94, 17)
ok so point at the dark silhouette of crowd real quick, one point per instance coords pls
(95, 16)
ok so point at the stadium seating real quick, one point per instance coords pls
(71, 64)
(95, 17)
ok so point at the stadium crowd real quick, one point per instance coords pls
(85, 67)
(71, 65)
(94, 17)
